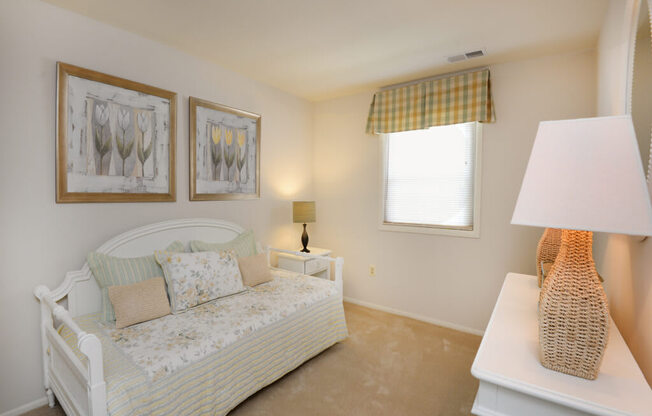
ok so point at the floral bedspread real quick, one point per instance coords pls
(166, 344)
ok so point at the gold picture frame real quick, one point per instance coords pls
(224, 152)
(116, 139)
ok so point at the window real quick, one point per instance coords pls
(431, 180)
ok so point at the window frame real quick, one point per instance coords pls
(434, 229)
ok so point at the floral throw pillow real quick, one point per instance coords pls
(195, 278)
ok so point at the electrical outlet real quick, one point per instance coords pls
(372, 270)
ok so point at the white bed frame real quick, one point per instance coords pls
(81, 390)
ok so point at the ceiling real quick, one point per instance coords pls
(321, 49)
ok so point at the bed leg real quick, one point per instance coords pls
(50, 395)
(46, 321)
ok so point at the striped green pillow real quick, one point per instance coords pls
(244, 245)
(112, 271)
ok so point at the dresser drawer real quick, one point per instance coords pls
(315, 265)
(318, 266)
(291, 263)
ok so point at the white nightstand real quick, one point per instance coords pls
(514, 383)
(313, 266)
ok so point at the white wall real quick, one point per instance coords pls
(40, 239)
(440, 278)
(625, 262)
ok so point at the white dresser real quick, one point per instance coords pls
(514, 383)
(307, 265)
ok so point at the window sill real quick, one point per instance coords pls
(422, 229)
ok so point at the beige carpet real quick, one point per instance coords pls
(389, 365)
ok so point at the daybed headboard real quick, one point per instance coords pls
(82, 289)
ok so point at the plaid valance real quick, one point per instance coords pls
(455, 99)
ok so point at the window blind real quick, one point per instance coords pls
(429, 176)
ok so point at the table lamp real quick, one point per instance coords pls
(583, 175)
(304, 212)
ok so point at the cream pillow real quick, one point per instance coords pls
(139, 302)
(254, 269)
(195, 278)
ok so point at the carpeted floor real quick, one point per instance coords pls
(389, 365)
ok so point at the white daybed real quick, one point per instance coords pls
(273, 328)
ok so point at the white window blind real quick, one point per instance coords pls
(429, 177)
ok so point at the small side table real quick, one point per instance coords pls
(514, 383)
(307, 265)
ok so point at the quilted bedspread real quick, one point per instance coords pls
(211, 357)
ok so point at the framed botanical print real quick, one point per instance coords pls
(116, 139)
(224, 152)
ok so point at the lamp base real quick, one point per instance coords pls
(547, 250)
(573, 310)
(304, 240)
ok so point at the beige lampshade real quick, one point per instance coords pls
(304, 211)
(586, 174)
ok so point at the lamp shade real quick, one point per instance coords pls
(303, 211)
(586, 174)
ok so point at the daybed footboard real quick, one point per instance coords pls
(78, 386)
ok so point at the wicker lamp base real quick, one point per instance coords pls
(547, 250)
(573, 310)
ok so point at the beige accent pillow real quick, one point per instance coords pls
(254, 269)
(139, 302)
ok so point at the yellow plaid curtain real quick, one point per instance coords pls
(457, 99)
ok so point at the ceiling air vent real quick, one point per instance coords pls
(456, 58)
(474, 54)
(466, 55)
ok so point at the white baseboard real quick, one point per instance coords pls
(418, 317)
(26, 407)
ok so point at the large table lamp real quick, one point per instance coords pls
(583, 175)
(304, 212)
